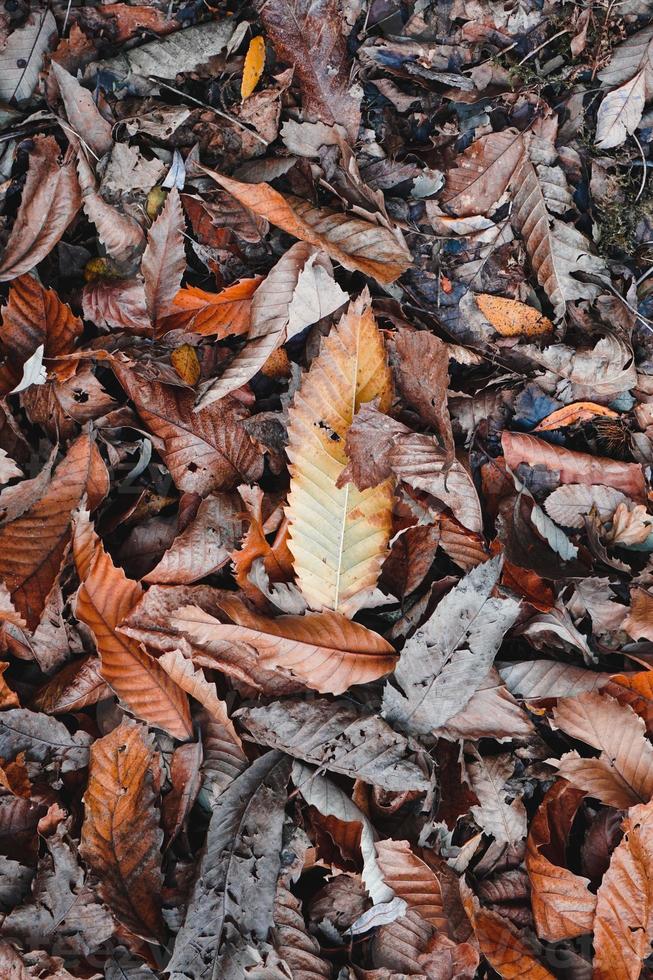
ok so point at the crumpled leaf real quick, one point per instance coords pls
(336, 736)
(235, 888)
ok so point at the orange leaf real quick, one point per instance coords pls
(220, 315)
(105, 598)
(563, 906)
(121, 837)
(413, 880)
(254, 65)
(505, 951)
(510, 318)
(277, 559)
(623, 927)
(570, 414)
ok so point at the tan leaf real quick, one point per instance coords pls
(164, 259)
(510, 318)
(563, 906)
(639, 622)
(629, 69)
(295, 944)
(82, 113)
(483, 173)
(571, 503)
(104, 599)
(506, 822)
(623, 926)
(572, 466)
(413, 880)
(325, 651)
(118, 303)
(205, 545)
(338, 536)
(623, 773)
(356, 244)
(121, 838)
(556, 249)
(51, 199)
(32, 546)
(421, 463)
(75, 686)
(121, 235)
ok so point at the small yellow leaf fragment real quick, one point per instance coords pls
(185, 362)
(254, 65)
(155, 201)
(510, 318)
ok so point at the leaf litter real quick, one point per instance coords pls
(326, 428)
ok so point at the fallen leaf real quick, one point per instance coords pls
(121, 839)
(510, 318)
(23, 54)
(338, 537)
(253, 67)
(164, 258)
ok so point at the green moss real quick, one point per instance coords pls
(617, 222)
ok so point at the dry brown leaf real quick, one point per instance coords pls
(164, 258)
(635, 689)
(483, 173)
(33, 545)
(623, 926)
(51, 199)
(571, 414)
(121, 235)
(510, 318)
(204, 451)
(325, 651)
(623, 774)
(75, 686)
(563, 906)
(338, 536)
(309, 37)
(413, 880)
(204, 546)
(356, 244)
(572, 466)
(422, 373)
(33, 317)
(121, 839)
(82, 113)
(104, 599)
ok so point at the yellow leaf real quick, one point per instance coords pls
(184, 361)
(338, 536)
(511, 318)
(254, 65)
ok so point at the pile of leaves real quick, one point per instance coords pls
(326, 434)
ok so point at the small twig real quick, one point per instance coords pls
(548, 41)
(643, 183)
(65, 21)
(205, 105)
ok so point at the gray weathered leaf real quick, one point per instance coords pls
(447, 659)
(22, 56)
(337, 736)
(43, 739)
(505, 821)
(238, 870)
